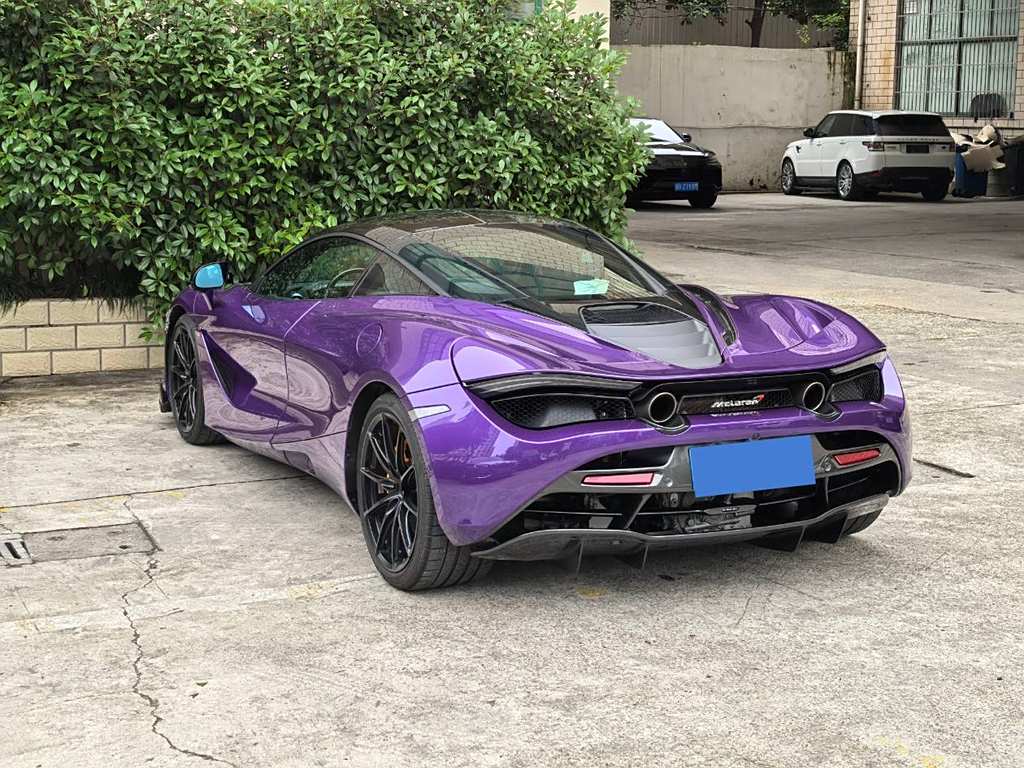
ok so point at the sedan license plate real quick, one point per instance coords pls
(754, 465)
(687, 186)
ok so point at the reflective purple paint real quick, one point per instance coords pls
(281, 377)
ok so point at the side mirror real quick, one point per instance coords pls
(809, 133)
(208, 277)
(687, 138)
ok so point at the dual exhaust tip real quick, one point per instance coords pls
(661, 408)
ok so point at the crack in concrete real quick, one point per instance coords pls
(158, 490)
(151, 701)
(944, 468)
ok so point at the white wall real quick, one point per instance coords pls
(602, 7)
(746, 104)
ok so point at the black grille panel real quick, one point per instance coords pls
(554, 410)
(736, 402)
(863, 386)
(630, 313)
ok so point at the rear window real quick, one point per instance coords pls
(911, 125)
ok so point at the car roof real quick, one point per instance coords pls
(410, 222)
(876, 113)
(395, 230)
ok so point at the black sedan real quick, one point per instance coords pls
(679, 169)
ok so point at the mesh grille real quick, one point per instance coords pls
(541, 411)
(734, 402)
(665, 162)
(618, 314)
(863, 386)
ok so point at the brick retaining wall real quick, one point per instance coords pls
(47, 336)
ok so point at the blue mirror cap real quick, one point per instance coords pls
(209, 276)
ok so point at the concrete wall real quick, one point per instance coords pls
(746, 104)
(47, 336)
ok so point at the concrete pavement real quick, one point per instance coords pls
(258, 634)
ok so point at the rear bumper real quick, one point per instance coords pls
(485, 472)
(905, 179)
(556, 544)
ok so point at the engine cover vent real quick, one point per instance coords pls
(660, 332)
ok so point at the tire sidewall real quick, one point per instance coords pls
(788, 164)
(187, 327)
(426, 516)
(853, 182)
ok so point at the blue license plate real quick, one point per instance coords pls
(755, 465)
(686, 186)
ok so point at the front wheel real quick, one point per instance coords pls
(788, 179)
(396, 507)
(846, 182)
(185, 386)
(705, 199)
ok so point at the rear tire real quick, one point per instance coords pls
(185, 386)
(936, 193)
(860, 523)
(846, 182)
(396, 507)
(704, 199)
(788, 178)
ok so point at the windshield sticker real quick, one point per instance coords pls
(595, 287)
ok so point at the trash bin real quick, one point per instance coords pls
(968, 183)
(1013, 156)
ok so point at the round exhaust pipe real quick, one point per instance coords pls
(812, 396)
(659, 408)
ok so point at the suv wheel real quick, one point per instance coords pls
(935, 193)
(789, 178)
(846, 182)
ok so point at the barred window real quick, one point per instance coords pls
(957, 57)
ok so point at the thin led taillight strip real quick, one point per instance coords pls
(635, 478)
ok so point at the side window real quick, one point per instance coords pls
(389, 278)
(843, 126)
(824, 129)
(862, 126)
(339, 266)
(281, 279)
(326, 268)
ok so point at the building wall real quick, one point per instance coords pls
(880, 65)
(746, 104)
(659, 26)
(45, 336)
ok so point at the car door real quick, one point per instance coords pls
(321, 346)
(833, 146)
(808, 156)
(245, 342)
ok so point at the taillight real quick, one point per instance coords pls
(856, 457)
(874, 146)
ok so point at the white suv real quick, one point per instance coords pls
(859, 153)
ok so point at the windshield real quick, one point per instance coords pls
(911, 125)
(660, 131)
(524, 262)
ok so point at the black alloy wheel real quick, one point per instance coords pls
(184, 378)
(390, 492)
(396, 507)
(185, 388)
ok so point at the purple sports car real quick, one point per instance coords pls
(495, 386)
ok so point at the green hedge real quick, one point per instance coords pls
(144, 137)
